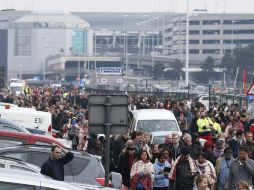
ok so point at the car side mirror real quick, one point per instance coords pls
(116, 180)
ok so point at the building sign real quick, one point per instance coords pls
(79, 41)
(110, 70)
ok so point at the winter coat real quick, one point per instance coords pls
(239, 172)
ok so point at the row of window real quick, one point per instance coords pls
(215, 42)
(215, 32)
(204, 51)
(215, 22)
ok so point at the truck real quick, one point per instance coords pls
(17, 86)
(27, 117)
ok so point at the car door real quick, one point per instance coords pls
(38, 158)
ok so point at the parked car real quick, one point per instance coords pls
(23, 138)
(22, 180)
(12, 163)
(151, 120)
(36, 131)
(8, 125)
(6, 143)
(84, 168)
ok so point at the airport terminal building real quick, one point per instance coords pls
(209, 35)
(65, 46)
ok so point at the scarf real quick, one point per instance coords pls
(140, 166)
(172, 174)
(207, 168)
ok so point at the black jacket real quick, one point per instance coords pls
(124, 170)
(183, 180)
(55, 168)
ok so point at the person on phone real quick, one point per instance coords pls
(54, 166)
(183, 171)
(241, 169)
(162, 169)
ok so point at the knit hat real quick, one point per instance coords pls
(185, 150)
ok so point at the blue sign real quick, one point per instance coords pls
(249, 97)
(79, 41)
(110, 70)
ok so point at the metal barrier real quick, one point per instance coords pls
(177, 96)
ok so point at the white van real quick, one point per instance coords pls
(152, 120)
(204, 99)
(27, 117)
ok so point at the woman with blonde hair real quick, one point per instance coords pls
(243, 185)
(201, 183)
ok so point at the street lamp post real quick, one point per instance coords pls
(187, 45)
(144, 36)
(44, 69)
(79, 61)
(153, 44)
(125, 46)
(139, 38)
(95, 64)
(232, 37)
(44, 63)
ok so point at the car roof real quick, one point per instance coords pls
(153, 114)
(24, 177)
(40, 148)
(34, 136)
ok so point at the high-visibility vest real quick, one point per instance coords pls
(216, 127)
(65, 95)
(204, 122)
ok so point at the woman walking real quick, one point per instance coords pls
(141, 172)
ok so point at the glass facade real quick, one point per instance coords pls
(23, 42)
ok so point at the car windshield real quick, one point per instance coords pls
(156, 125)
(15, 89)
(159, 139)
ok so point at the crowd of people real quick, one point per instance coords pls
(215, 150)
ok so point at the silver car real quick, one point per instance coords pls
(11, 163)
(22, 180)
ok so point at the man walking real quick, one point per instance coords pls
(54, 166)
(241, 169)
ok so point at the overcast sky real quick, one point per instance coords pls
(215, 6)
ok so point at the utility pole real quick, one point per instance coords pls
(187, 45)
